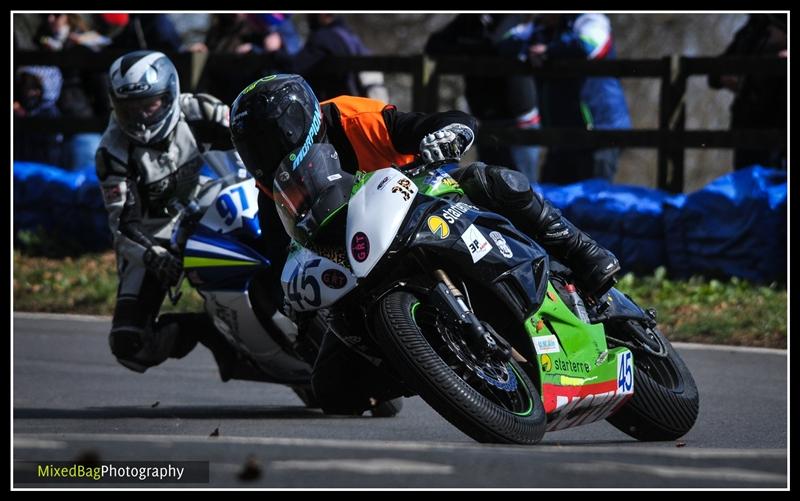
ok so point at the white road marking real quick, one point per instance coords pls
(378, 466)
(682, 472)
(34, 443)
(60, 316)
(725, 347)
(668, 450)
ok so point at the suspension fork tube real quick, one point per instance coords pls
(477, 328)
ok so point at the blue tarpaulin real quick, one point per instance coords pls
(735, 226)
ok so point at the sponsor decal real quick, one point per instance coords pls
(359, 246)
(574, 381)
(112, 194)
(476, 243)
(546, 344)
(133, 87)
(570, 366)
(547, 364)
(505, 250)
(403, 186)
(439, 176)
(334, 278)
(456, 211)
(438, 227)
(383, 182)
(334, 177)
(316, 121)
(449, 181)
(568, 406)
(253, 85)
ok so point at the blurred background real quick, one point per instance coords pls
(673, 213)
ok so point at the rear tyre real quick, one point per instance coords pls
(665, 401)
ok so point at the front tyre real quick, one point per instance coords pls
(507, 411)
(665, 401)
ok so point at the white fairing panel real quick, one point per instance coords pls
(374, 215)
(233, 204)
(234, 317)
(311, 281)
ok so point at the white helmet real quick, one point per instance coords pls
(144, 93)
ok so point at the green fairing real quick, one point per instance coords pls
(581, 345)
(361, 179)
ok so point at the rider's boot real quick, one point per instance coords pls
(509, 193)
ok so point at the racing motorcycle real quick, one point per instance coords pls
(456, 305)
(217, 234)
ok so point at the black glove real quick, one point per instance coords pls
(447, 143)
(165, 266)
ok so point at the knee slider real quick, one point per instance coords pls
(126, 342)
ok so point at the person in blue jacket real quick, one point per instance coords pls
(591, 103)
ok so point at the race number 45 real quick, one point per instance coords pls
(625, 373)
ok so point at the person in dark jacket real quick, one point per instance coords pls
(268, 34)
(589, 103)
(761, 100)
(36, 91)
(506, 101)
(328, 36)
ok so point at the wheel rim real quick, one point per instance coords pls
(497, 381)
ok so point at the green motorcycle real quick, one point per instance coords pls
(465, 310)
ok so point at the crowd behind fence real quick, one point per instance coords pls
(671, 139)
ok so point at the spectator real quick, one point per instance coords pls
(242, 34)
(83, 92)
(25, 28)
(192, 29)
(148, 31)
(36, 90)
(329, 36)
(591, 103)
(507, 101)
(761, 100)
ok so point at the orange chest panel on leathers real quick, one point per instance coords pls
(363, 124)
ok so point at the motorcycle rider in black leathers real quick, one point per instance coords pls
(280, 113)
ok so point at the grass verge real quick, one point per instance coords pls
(697, 310)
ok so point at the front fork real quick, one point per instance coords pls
(480, 337)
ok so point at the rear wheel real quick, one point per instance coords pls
(491, 401)
(665, 401)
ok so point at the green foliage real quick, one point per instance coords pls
(713, 311)
(85, 284)
(697, 310)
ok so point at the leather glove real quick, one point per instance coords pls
(447, 143)
(163, 264)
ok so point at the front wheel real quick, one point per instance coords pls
(665, 401)
(490, 401)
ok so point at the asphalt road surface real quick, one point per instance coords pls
(73, 401)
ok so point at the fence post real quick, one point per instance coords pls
(672, 118)
(419, 85)
(431, 79)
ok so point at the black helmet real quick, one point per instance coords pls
(144, 93)
(273, 117)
